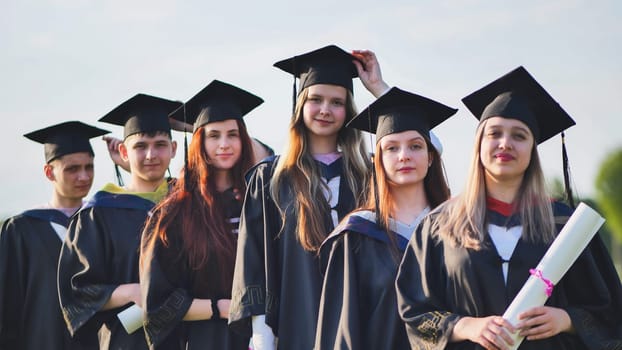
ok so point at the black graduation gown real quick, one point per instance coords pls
(169, 286)
(358, 308)
(274, 276)
(100, 253)
(438, 283)
(30, 314)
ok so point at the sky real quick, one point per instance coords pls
(78, 59)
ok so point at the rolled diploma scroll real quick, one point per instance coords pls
(131, 318)
(562, 253)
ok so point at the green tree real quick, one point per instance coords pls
(614, 245)
(609, 197)
(609, 191)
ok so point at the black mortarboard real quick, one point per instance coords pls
(518, 95)
(65, 138)
(328, 65)
(398, 110)
(216, 102)
(142, 114)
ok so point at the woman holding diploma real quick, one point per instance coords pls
(188, 246)
(467, 260)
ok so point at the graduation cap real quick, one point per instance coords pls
(327, 65)
(398, 110)
(65, 138)
(216, 102)
(142, 114)
(517, 95)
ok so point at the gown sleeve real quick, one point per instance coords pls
(165, 301)
(248, 296)
(420, 293)
(339, 317)
(11, 291)
(596, 312)
(592, 292)
(83, 285)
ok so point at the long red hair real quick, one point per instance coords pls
(198, 219)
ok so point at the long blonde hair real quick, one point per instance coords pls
(297, 169)
(461, 220)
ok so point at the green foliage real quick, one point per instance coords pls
(609, 191)
(613, 243)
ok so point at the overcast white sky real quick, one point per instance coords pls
(77, 59)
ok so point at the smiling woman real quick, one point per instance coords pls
(293, 201)
(468, 259)
(405, 157)
(324, 114)
(505, 151)
(361, 255)
(222, 144)
(189, 243)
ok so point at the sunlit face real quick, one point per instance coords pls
(324, 111)
(405, 158)
(222, 143)
(72, 175)
(505, 150)
(149, 156)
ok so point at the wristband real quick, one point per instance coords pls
(215, 311)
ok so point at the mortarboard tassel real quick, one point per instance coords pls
(379, 220)
(294, 87)
(294, 96)
(119, 177)
(169, 178)
(566, 166)
(186, 175)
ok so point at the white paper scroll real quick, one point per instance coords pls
(131, 318)
(562, 253)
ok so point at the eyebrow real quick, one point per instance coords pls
(215, 131)
(73, 165)
(521, 128)
(311, 95)
(514, 127)
(418, 138)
